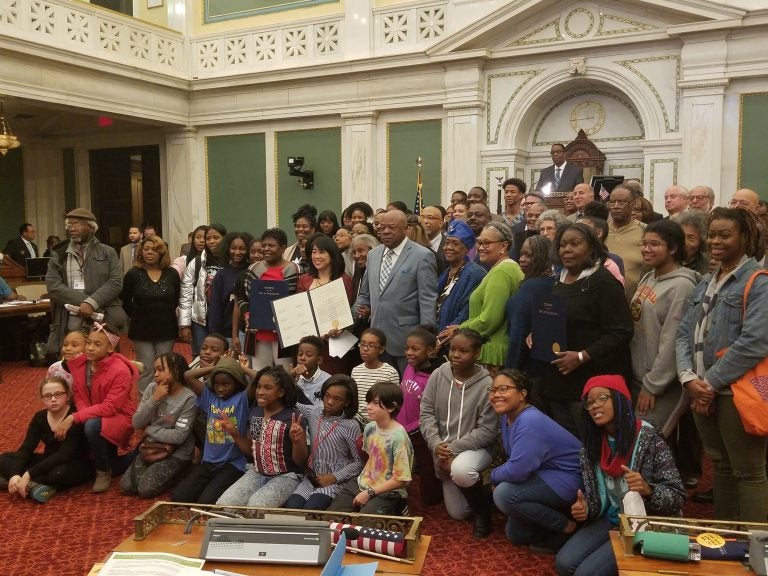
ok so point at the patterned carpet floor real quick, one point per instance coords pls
(78, 528)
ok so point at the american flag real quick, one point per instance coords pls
(372, 539)
(419, 204)
(604, 194)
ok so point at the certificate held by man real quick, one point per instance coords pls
(263, 292)
(548, 327)
(316, 312)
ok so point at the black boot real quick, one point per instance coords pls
(481, 507)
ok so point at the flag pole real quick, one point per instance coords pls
(419, 205)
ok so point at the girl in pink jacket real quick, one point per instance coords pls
(105, 392)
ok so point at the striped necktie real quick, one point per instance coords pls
(557, 177)
(386, 269)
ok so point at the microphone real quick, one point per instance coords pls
(198, 513)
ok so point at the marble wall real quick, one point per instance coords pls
(657, 85)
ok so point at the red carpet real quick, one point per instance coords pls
(78, 528)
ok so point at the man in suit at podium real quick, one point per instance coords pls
(399, 288)
(561, 176)
(23, 246)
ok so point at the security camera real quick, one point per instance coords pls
(295, 163)
(306, 177)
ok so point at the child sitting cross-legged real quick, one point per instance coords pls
(381, 486)
(62, 464)
(276, 438)
(334, 458)
(226, 407)
(166, 412)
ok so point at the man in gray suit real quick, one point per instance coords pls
(399, 288)
(561, 176)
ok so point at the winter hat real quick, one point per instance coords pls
(231, 368)
(610, 381)
(461, 230)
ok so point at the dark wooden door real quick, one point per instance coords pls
(125, 191)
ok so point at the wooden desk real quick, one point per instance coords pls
(171, 538)
(14, 310)
(18, 330)
(638, 565)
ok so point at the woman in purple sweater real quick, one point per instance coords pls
(537, 484)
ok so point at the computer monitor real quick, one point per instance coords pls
(37, 268)
(602, 184)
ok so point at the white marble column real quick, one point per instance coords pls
(359, 159)
(701, 128)
(358, 29)
(185, 204)
(462, 129)
(44, 189)
(661, 168)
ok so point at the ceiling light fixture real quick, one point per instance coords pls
(7, 140)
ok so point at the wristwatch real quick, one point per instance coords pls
(371, 492)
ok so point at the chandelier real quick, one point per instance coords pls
(7, 140)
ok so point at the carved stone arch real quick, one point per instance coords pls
(519, 123)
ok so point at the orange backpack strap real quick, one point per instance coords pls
(748, 287)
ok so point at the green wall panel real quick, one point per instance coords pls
(321, 149)
(12, 194)
(217, 10)
(753, 137)
(237, 182)
(406, 141)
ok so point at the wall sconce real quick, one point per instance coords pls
(306, 177)
(7, 140)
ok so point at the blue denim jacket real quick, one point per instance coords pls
(745, 337)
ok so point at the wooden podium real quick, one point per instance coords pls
(12, 272)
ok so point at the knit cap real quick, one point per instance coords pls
(610, 381)
(232, 368)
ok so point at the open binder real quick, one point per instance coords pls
(315, 312)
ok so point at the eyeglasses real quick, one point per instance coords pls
(52, 395)
(740, 204)
(487, 243)
(367, 346)
(503, 389)
(652, 244)
(598, 402)
(618, 203)
(695, 197)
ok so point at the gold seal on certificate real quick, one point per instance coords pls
(335, 324)
(555, 347)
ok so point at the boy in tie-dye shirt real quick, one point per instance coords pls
(381, 486)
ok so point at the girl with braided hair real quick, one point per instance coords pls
(720, 338)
